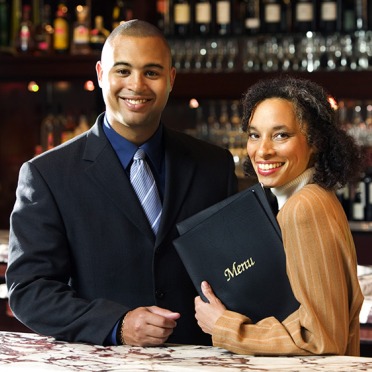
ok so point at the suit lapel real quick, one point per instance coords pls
(107, 173)
(179, 172)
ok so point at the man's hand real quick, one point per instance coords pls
(208, 313)
(148, 326)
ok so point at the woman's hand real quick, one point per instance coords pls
(208, 313)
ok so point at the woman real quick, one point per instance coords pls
(298, 150)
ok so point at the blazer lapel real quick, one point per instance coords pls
(179, 172)
(108, 174)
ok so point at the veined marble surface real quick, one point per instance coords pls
(27, 352)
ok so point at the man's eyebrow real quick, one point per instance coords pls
(149, 65)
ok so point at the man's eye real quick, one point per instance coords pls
(151, 74)
(123, 72)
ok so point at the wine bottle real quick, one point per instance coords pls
(182, 17)
(224, 17)
(303, 16)
(368, 187)
(161, 17)
(330, 16)
(251, 16)
(273, 16)
(203, 17)
(359, 202)
(361, 17)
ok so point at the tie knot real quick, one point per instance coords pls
(139, 155)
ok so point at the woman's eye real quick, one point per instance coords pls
(252, 135)
(281, 135)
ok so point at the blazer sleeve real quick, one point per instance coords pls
(321, 266)
(39, 269)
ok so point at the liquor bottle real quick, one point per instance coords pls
(82, 126)
(61, 41)
(122, 11)
(203, 17)
(49, 131)
(251, 17)
(330, 16)
(67, 127)
(303, 16)
(98, 34)
(224, 11)
(44, 31)
(273, 16)
(81, 32)
(25, 42)
(182, 18)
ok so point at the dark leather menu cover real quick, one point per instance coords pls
(236, 246)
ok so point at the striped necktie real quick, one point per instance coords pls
(144, 185)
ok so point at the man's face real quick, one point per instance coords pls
(136, 77)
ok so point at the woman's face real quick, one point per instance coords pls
(277, 146)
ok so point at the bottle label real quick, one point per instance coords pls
(359, 201)
(252, 23)
(60, 35)
(328, 11)
(81, 35)
(182, 14)
(304, 12)
(203, 13)
(223, 12)
(272, 13)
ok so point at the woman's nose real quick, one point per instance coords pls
(266, 148)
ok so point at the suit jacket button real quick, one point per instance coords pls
(159, 293)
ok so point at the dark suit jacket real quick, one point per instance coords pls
(81, 250)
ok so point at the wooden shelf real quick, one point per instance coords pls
(229, 85)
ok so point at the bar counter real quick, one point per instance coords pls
(33, 353)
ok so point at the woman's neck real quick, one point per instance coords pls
(283, 193)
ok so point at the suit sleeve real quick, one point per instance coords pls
(39, 270)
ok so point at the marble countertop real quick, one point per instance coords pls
(33, 353)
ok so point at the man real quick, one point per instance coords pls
(82, 254)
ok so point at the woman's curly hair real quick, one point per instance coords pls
(338, 159)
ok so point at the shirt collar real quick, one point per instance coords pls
(126, 149)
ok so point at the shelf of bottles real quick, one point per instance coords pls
(269, 35)
(205, 35)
